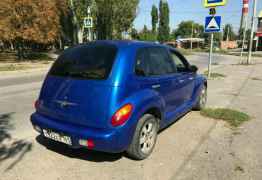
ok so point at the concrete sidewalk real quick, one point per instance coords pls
(231, 154)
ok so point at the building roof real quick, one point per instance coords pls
(190, 39)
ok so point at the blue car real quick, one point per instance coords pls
(115, 96)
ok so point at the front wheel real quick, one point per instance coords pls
(202, 99)
(145, 137)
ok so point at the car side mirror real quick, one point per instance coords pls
(140, 72)
(193, 68)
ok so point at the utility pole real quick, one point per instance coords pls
(252, 32)
(192, 34)
(227, 35)
(244, 38)
(227, 38)
(244, 20)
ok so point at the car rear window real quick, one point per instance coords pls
(85, 62)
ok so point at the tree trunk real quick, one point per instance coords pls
(12, 46)
(61, 44)
(20, 50)
(80, 35)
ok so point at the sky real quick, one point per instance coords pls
(182, 10)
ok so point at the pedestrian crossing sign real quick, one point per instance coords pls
(88, 22)
(214, 3)
(213, 24)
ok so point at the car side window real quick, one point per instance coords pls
(180, 64)
(159, 62)
(142, 67)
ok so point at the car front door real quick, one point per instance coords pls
(184, 80)
(162, 67)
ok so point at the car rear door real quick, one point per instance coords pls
(142, 70)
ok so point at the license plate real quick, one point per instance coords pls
(57, 137)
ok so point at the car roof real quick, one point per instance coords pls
(124, 43)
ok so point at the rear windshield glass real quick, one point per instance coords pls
(85, 62)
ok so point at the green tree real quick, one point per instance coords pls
(134, 34)
(114, 17)
(147, 35)
(188, 28)
(154, 16)
(163, 29)
(79, 11)
(229, 33)
(241, 35)
(66, 23)
(217, 38)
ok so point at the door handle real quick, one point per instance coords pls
(156, 86)
(181, 80)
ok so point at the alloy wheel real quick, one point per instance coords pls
(203, 97)
(147, 137)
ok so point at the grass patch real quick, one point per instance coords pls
(233, 117)
(256, 79)
(245, 54)
(28, 57)
(12, 67)
(37, 56)
(240, 169)
(215, 64)
(214, 75)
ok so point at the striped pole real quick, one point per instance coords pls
(245, 7)
(244, 21)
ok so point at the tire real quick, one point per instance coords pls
(201, 100)
(145, 137)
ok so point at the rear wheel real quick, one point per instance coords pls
(202, 99)
(145, 137)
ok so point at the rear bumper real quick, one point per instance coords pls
(113, 140)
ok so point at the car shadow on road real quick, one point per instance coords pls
(10, 147)
(173, 122)
(82, 154)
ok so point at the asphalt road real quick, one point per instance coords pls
(38, 77)
(24, 155)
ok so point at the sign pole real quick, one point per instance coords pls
(192, 35)
(88, 24)
(210, 55)
(89, 29)
(212, 25)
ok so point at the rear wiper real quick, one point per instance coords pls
(86, 75)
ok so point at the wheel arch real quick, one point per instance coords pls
(156, 112)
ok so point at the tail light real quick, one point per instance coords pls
(37, 103)
(122, 115)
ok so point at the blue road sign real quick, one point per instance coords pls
(214, 3)
(213, 24)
